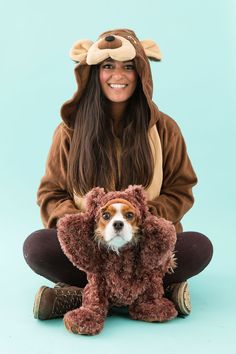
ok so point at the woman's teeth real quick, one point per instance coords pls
(117, 86)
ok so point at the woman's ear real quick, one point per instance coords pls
(80, 49)
(151, 49)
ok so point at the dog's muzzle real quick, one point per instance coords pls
(118, 225)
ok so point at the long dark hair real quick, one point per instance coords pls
(92, 158)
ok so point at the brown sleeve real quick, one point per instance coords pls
(52, 196)
(176, 196)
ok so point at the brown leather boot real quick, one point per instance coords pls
(54, 302)
(178, 293)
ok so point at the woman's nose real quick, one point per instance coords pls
(118, 73)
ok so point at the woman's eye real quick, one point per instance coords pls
(107, 66)
(106, 216)
(129, 67)
(129, 215)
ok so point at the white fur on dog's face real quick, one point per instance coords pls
(117, 225)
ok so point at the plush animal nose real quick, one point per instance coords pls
(109, 38)
(110, 42)
(118, 225)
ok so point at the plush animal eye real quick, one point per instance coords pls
(106, 216)
(129, 215)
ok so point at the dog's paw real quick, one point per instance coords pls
(83, 321)
(162, 311)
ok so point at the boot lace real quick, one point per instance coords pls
(66, 300)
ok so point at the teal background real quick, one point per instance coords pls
(195, 84)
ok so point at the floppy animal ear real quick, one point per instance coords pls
(93, 199)
(79, 50)
(151, 49)
(137, 192)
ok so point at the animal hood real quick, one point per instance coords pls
(85, 51)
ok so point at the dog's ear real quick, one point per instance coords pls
(93, 199)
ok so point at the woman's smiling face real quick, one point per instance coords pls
(118, 79)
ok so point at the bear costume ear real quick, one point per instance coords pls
(137, 192)
(151, 49)
(93, 199)
(80, 49)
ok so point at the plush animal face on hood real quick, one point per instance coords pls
(121, 45)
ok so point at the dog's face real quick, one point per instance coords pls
(118, 224)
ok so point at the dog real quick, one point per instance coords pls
(118, 224)
(125, 252)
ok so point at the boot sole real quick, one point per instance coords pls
(183, 299)
(37, 301)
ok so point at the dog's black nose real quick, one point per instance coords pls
(118, 225)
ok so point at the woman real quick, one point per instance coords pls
(113, 135)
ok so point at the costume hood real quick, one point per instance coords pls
(134, 195)
(119, 44)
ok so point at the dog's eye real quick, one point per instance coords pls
(129, 215)
(106, 216)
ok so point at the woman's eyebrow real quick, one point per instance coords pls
(112, 60)
(108, 59)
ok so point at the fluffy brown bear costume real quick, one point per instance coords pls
(133, 277)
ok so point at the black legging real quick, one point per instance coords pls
(43, 254)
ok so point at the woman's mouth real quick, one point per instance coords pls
(118, 86)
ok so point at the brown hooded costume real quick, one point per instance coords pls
(170, 192)
(132, 277)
